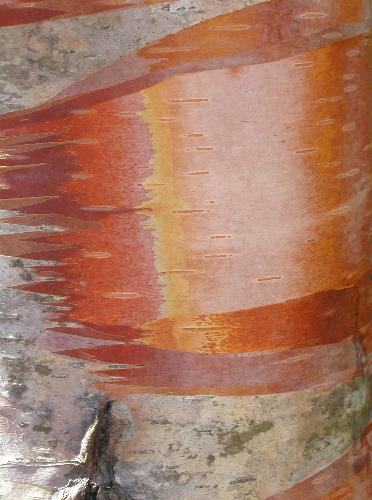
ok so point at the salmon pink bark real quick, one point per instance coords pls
(189, 225)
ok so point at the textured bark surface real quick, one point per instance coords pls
(184, 265)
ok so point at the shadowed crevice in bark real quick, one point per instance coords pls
(94, 477)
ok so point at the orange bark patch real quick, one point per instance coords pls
(214, 224)
(322, 318)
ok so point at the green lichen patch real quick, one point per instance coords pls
(234, 441)
(340, 417)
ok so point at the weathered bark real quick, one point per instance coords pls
(184, 309)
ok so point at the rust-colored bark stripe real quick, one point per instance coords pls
(216, 43)
(347, 478)
(266, 373)
(15, 12)
(323, 318)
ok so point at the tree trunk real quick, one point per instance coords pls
(184, 301)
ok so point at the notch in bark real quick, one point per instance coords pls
(94, 478)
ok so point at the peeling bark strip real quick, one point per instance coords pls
(191, 225)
